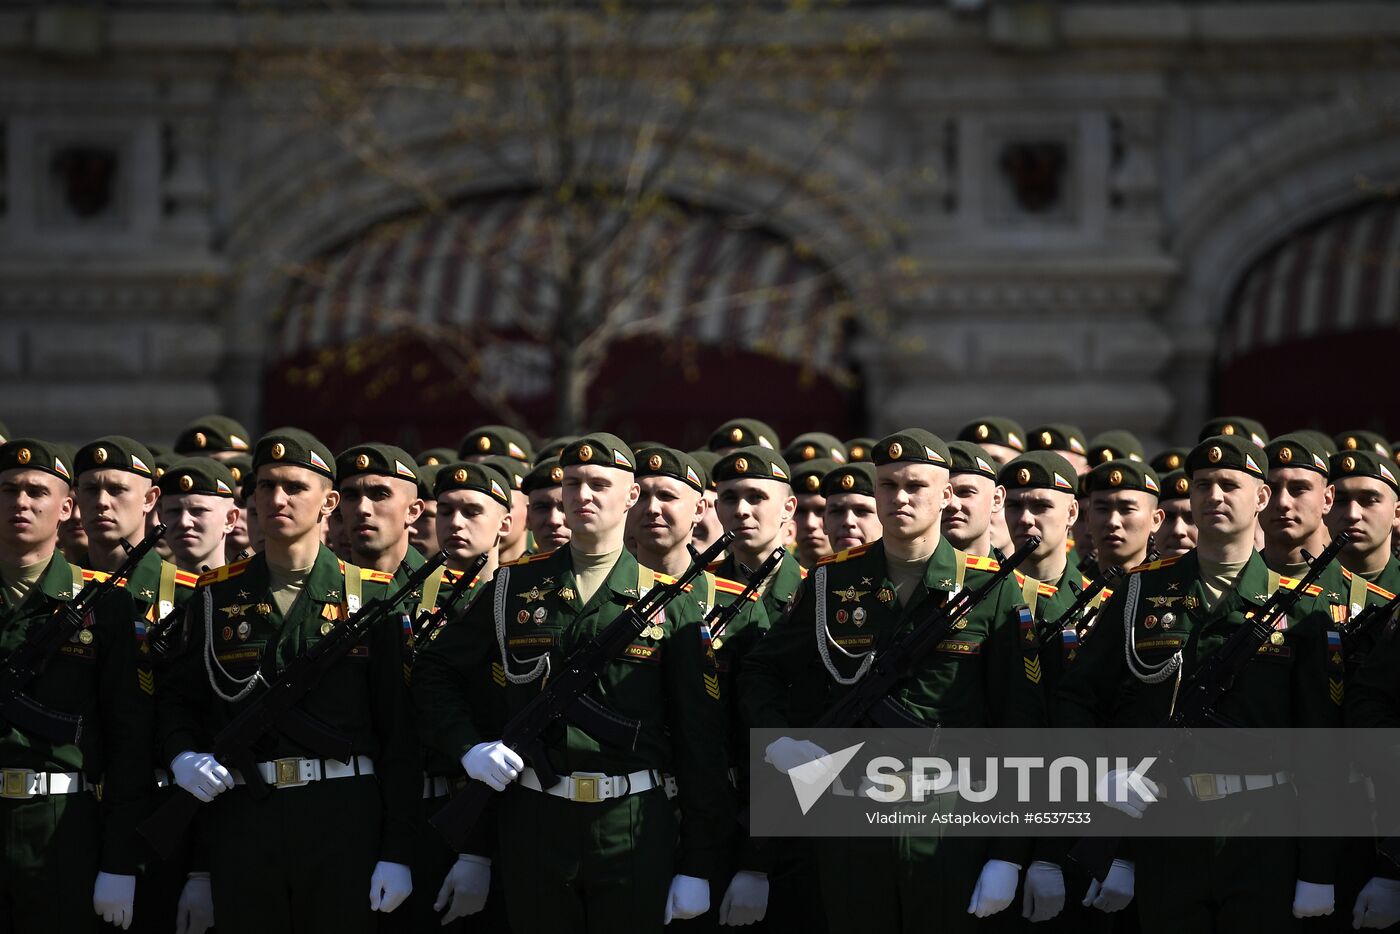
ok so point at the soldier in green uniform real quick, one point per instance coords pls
(597, 851)
(216, 436)
(671, 495)
(544, 495)
(973, 521)
(72, 539)
(1177, 533)
(1152, 634)
(709, 528)
(1115, 445)
(1164, 462)
(197, 506)
(1360, 440)
(1123, 512)
(493, 441)
(810, 543)
(237, 544)
(66, 856)
(850, 518)
(1003, 438)
(755, 501)
(1364, 507)
(985, 676)
(516, 542)
(743, 432)
(1040, 501)
(1299, 496)
(1065, 440)
(858, 450)
(814, 445)
(283, 856)
(1235, 426)
(379, 504)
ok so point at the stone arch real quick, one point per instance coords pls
(1273, 181)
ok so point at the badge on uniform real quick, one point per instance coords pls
(245, 629)
(566, 593)
(1168, 620)
(85, 636)
(1191, 602)
(540, 614)
(227, 633)
(523, 616)
(886, 595)
(326, 628)
(1149, 623)
(841, 617)
(858, 616)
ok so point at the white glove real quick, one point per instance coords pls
(689, 898)
(465, 888)
(201, 775)
(494, 763)
(112, 897)
(996, 888)
(1124, 790)
(1311, 900)
(746, 899)
(1378, 905)
(390, 884)
(786, 753)
(1045, 892)
(195, 912)
(1116, 891)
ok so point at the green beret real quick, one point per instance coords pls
(995, 429)
(115, 452)
(1114, 476)
(743, 432)
(1235, 425)
(1296, 450)
(483, 478)
(858, 450)
(967, 457)
(752, 462)
(496, 439)
(212, 434)
(554, 447)
(240, 466)
(815, 444)
(707, 460)
(1057, 436)
(202, 475)
(1363, 441)
(1363, 463)
(1169, 460)
(510, 468)
(850, 478)
(1175, 485)
(436, 457)
(546, 475)
(164, 456)
(1039, 470)
(382, 460)
(1233, 452)
(33, 454)
(912, 446)
(4, 433)
(427, 476)
(807, 476)
(661, 461)
(295, 447)
(598, 449)
(1115, 445)
(1320, 439)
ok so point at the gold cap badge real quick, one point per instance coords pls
(1046, 438)
(556, 474)
(585, 452)
(1285, 454)
(848, 482)
(742, 465)
(1228, 430)
(1023, 476)
(361, 462)
(279, 451)
(1115, 478)
(1182, 484)
(1348, 464)
(186, 483)
(201, 439)
(654, 462)
(460, 475)
(1214, 454)
(983, 432)
(483, 443)
(23, 455)
(1351, 444)
(100, 455)
(895, 450)
(736, 434)
(811, 482)
(808, 452)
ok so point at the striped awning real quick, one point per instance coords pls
(1338, 276)
(494, 265)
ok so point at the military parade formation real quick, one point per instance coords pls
(253, 685)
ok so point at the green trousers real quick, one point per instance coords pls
(299, 860)
(573, 868)
(51, 852)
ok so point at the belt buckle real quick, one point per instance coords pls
(287, 773)
(1204, 787)
(586, 790)
(14, 783)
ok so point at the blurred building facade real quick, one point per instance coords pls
(1118, 214)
